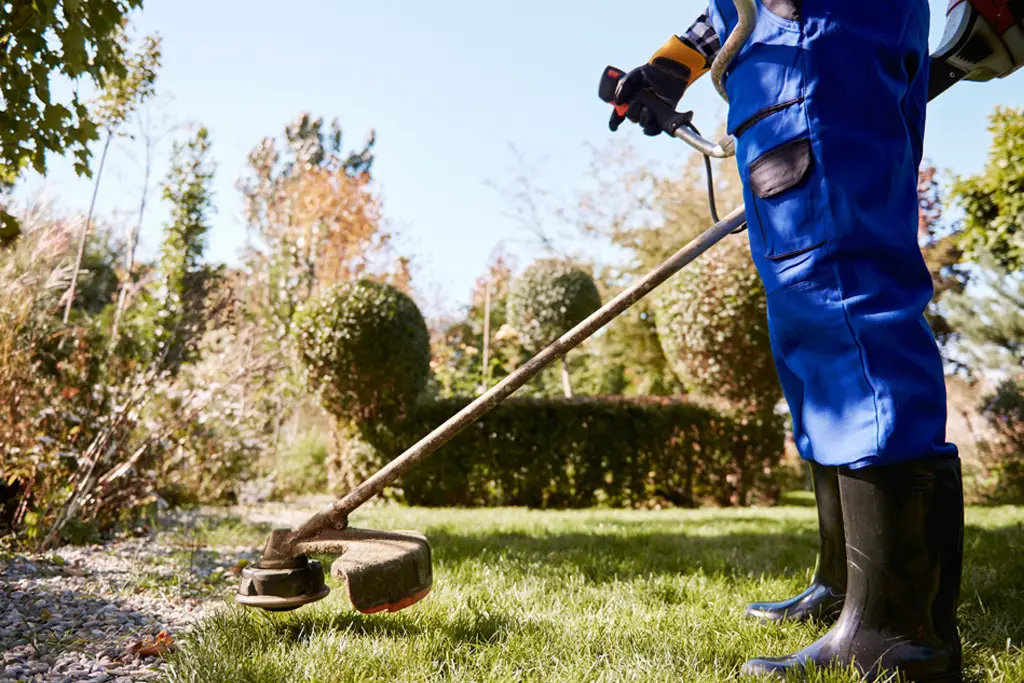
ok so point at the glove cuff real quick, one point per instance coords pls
(681, 60)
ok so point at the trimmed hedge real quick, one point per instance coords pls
(550, 298)
(617, 452)
(712, 320)
(366, 350)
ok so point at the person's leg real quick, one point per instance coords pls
(823, 599)
(833, 230)
(904, 537)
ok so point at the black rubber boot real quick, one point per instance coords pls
(823, 599)
(904, 535)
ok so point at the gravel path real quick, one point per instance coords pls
(104, 613)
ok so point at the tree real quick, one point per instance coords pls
(990, 317)
(312, 215)
(550, 298)
(939, 240)
(457, 362)
(993, 201)
(713, 326)
(647, 214)
(121, 96)
(983, 298)
(366, 351)
(38, 41)
(173, 316)
(150, 136)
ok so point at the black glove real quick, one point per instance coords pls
(667, 76)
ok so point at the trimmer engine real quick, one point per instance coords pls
(983, 40)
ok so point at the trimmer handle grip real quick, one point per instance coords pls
(672, 122)
(668, 118)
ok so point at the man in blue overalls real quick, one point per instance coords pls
(827, 104)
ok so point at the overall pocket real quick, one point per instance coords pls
(783, 177)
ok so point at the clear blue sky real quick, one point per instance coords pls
(449, 86)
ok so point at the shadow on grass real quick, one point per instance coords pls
(466, 627)
(992, 594)
(631, 553)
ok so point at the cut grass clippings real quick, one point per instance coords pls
(592, 595)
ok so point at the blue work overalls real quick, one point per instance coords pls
(827, 103)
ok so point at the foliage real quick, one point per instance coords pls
(942, 254)
(312, 214)
(993, 201)
(171, 320)
(88, 434)
(122, 94)
(1004, 457)
(549, 299)
(712, 322)
(646, 214)
(355, 452)
(582, 452)
(302, 468)
(457, 363)
(212, 420)
(194, 393)
(42, 40)
(457, 346)
(56, 421)
(366, 350)
(313, 221)
(120, 97)
(988, 318)
(628, 359)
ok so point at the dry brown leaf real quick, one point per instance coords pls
(149, 647)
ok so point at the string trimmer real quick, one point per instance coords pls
(392, 570)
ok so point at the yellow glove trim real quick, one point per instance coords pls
(681, 53)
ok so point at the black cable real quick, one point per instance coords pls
(710, 177)
(711, 185)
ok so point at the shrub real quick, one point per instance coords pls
(583, 452)
(366, 350)
(549, 299)
(1004, 459)
(302, 469)
(712, 322)
(56, 416)
(356, 452)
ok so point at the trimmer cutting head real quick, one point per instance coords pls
(383, 570)
(283, 585)
(386, 573)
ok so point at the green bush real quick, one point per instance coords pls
(583, 452)
(549, 299)
(712, 322)
(366, 350)
(356, 452)
(302, 468)
(1004, 459)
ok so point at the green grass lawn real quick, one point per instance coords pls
(593, 596)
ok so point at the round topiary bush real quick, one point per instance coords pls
(549, 299)
(713, 326)
(366, 350)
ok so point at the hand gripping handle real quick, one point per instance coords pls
(675, 123)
